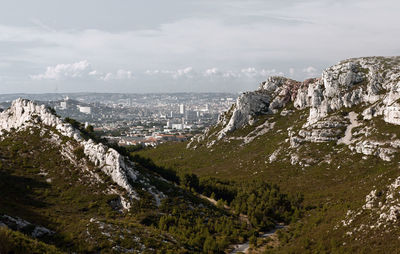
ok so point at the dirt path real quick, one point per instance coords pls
(244, 247)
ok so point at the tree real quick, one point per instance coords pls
(189, 180)
(90, 129)
(220, 203)
(253, 240)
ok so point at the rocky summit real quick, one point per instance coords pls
(360, 89)
(333, 138)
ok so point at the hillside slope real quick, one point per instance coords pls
(63, 191)
(335, 139)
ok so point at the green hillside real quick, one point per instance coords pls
(42, 187)
(336, 181)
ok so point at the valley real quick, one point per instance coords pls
(293, 167)
(333, 144)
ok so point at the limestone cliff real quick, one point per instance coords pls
(24, 114)
(369, 86)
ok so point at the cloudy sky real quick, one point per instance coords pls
(184, 45)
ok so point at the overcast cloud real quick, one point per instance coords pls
(187, 45)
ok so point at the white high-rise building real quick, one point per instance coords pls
(182, 109)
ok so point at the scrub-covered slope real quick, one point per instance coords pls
(61, 191)
(335, 139)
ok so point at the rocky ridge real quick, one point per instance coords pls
(24, 114)
(367, 87)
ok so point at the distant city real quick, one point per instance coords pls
(137, 119)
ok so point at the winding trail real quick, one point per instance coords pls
(244, 247)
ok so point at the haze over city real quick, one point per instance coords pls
(183, 46)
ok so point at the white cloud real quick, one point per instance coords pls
(63, 71)
(175, 74)
(249, 73)
(93, 73)
(291, 72)
(253, 72)
(152, 72)
(211, 72)
(186, 72)
(107, 77)
(271, 72)
(310, 71)
(80, 70)
(118, 75)
(230, 74)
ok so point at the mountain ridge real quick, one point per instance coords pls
(24, 113)
(369, 82)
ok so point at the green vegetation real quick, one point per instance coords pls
(238, 178)
(43, 187)
(264, 204)
(18, 243)
(336, 181)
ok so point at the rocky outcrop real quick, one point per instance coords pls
(24, 114)
(355, 81)
(272, 95)
(367, 87)
(382, 208)
(24, 226)
(247, 106)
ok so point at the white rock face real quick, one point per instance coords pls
(370, 83)
(336, 89)
(247, 105)
(272, 95)
(356, 81)
(25, 113)
(112, 163)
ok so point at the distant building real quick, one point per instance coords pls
(191, 115)
(182, 109)
(205, 109)
(63, 105)
(177, 126)
(85, 110)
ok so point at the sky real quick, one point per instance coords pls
(184, 45)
